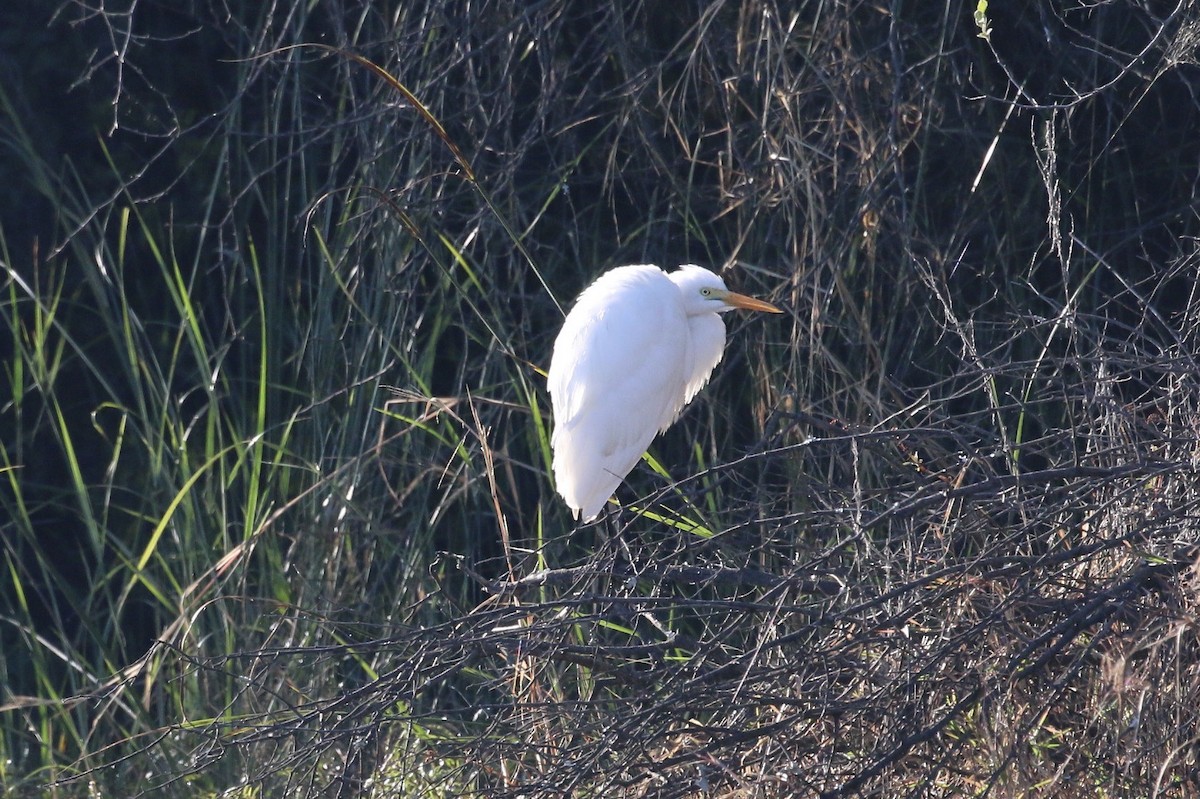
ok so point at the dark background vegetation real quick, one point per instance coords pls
(274, 496)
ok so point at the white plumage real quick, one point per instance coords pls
(634, 350)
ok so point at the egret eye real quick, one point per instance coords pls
(705, 292)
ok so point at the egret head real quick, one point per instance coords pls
(705, 292)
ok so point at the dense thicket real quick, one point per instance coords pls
(274, 498)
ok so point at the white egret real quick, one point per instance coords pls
(634, 350)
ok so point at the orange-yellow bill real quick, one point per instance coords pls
(749, 303)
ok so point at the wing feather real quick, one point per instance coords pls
(617, 377)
